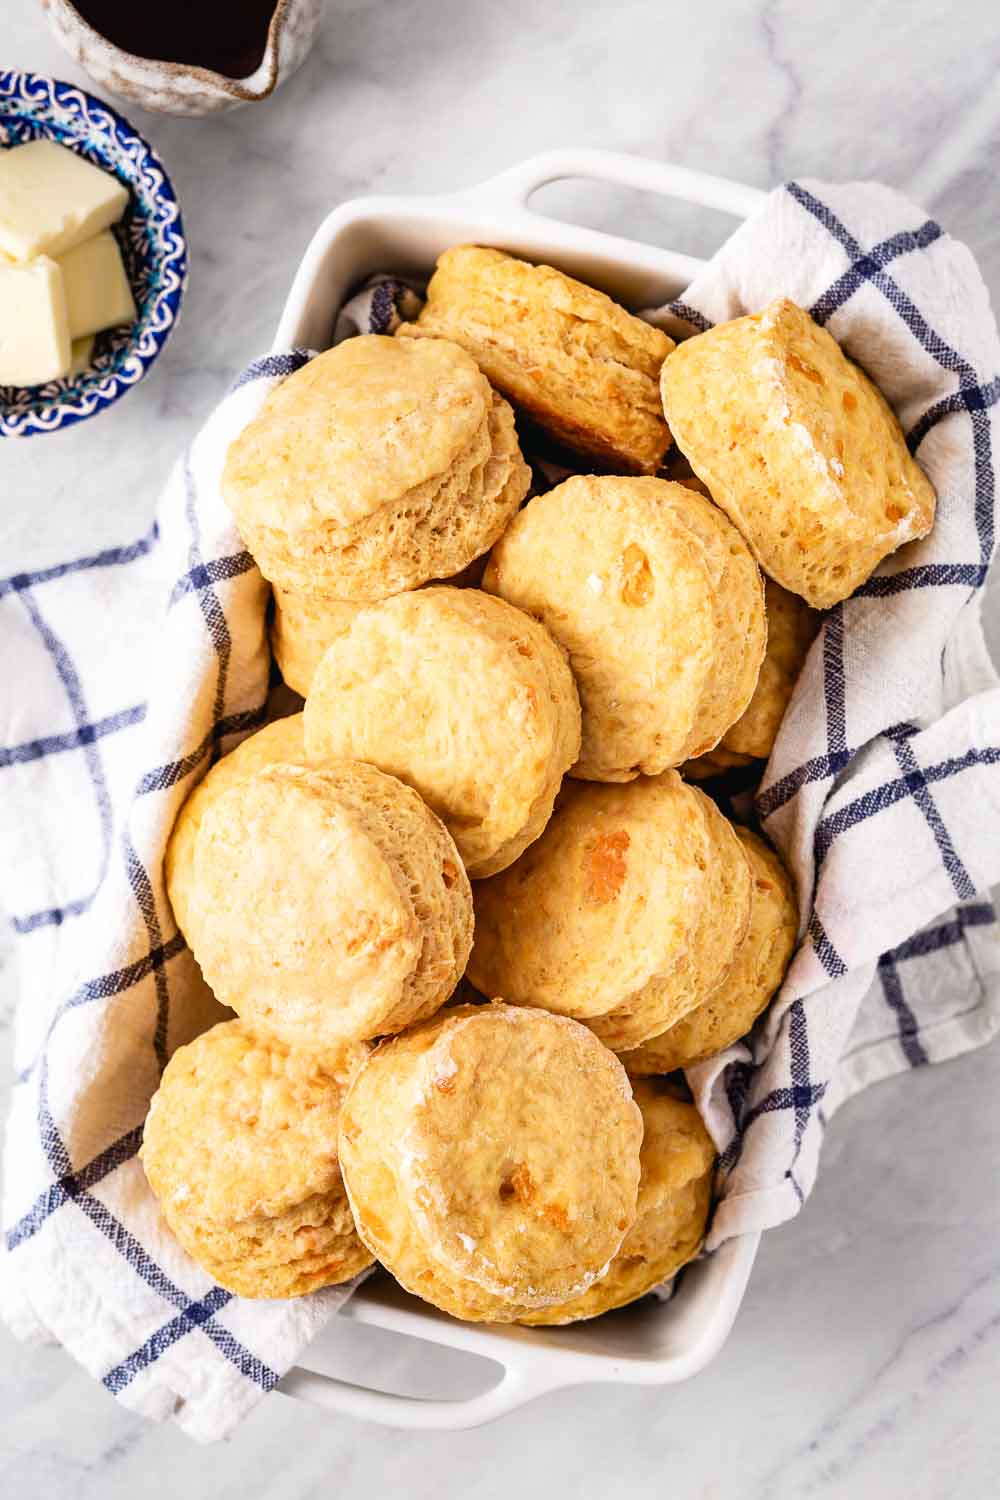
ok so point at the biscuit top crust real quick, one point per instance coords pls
(460, 695)
(624, 587)
(241, 1127)
(281, 741)
(354, 430)
(605, 901)
(519, 1160)
(311, 918)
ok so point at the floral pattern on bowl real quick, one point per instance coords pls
(150, 236)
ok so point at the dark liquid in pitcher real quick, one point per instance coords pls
(228, 36)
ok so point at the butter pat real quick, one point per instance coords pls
(97, 291)
(81, 355)
(34, 324)
(51, 199)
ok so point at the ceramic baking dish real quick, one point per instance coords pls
(651, 1343)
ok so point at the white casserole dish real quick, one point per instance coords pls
(650, 1343)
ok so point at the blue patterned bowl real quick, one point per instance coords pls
(151, 238)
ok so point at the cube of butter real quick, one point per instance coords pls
(34, 324)
(81, 355)
(51, 199)
(97, 291)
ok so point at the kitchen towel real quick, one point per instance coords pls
(130, 670)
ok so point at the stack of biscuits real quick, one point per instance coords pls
(473, 906)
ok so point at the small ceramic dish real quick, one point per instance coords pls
(150, 236)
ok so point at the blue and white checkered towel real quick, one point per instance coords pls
(130, 670)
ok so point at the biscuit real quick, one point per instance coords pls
(281, 741)
(464, 698)
(741, 621)
(717, 762)
(677, 1162)
(754, 979)
(791, 629)
(491, 1157)
(579, 366)
(659, 605)
(239, 1147)
(799, 449)
(721, 928)
(327, 905)
(377, 466)
(625, 914)
(303, 626)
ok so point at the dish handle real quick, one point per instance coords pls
(513, 188)
(520, 1382)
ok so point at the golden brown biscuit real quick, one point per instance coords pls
(741, 622)
(327, 905)
(576, 363)
(657, 601)
(491, 1157)
(677, 1162)
(464, 698)
(718, 936)
(799, 449)
(791, 629)
(625, 913)
(239, 1147)
(715, 762)
(277, 742)
(304, 626)
(754, 979)
(377, 466)
(301, 630)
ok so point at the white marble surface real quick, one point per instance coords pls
(867, 1357)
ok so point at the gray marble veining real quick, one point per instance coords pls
(865, 1358)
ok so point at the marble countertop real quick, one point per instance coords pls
(865, 1358)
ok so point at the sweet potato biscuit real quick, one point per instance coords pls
(607, 916)
(581, 367)
(377, 466)
(755, 977)
(491, 1157)
(791, 629)
(798, 447)
(239, 1147)
(627, 591)
(281, 741)
(303, 626)
(301, 630)
(464, 698)
(715, 762)
(677, 1161)
(741, 624)
(621, 571)
(722, 925)
(328, 904)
